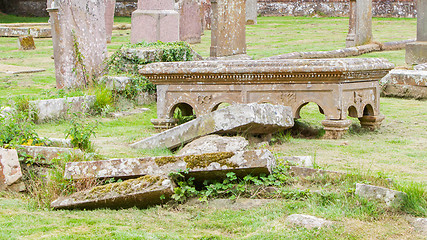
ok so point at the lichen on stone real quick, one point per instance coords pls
(204, 160)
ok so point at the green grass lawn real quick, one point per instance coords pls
(396, 151)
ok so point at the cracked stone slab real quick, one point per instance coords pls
(204, 166)
(141, 192)
(10, 170)
(12, 69)
(240, 118)
(390, 197)
(308, 221)
(215, 143)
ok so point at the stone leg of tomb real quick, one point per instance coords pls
(371, 122)
(164, 123)
(416, 53)
(335, 129)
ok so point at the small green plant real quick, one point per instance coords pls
(23, 105)
(80, 134)
(17, 129)
(104, 99)
(181, 118)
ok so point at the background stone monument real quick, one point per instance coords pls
(228, 28)
(110, 6)
(251, 12)
(79, 41)
(360, 29)
(190, 21)
(416, 53)
(206, 14)
(155, 20)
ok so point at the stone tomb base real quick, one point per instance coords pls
(340, 87)
(416, 53)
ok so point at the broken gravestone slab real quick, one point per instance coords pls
(10, 170)
(204, 166)
(302, 161)
(390, 197)
(12, 69)
(250, 118)
(405, 84)
(141, 192)
(26, 43)
(308, 221)
(214, 143)
(47, 153)
(61, 107)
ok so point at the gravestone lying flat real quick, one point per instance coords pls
(241, 118)
(12, 69)
(202, 166)
(141, 192)
(405, 83)
(388, 196)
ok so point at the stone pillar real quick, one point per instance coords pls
(206, 14)
(79, 45)
(190, 22)
(360, 23)
(416, 53)
(251, 12)
(228, 28)
(110, 7)
(155, 20)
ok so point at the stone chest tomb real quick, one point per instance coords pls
(340, 87)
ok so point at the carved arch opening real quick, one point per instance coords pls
(368, 110)
(220, 105)
(298, 110)
(181, 109)
(352, 112)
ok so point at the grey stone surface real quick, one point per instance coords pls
(190, 21)
(311, 172)
(130, 112)
(308, 221)
(141, 192)
(39, 30)
(10, 170)
(12, 69)
(110, 6)
(145, 98)
(303, 161)
(420, 225)
(240, 118)
(251, 12)
(203, 166)
(421, 67)
(360, 29)
(116, 83)
(416, 53)
(421, 20)
(46, 154)
(214, 143)
(81, 22)
(405, 84)
(59, 142)
(388, 196)
(228, 36)
(61, 107)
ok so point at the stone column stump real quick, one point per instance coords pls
(360, 24)
(416, 53)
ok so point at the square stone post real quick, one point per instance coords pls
(155, 20)
(251, 12)
(416, 53)
(79, 41)
(110, 6)
(228, 35)
(190, 21)
(360, 23)
(206, 14)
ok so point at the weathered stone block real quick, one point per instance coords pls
(190, 22)
(228, 35)
(115, 83)
(10, 170)
(241, 118)
(251, 12)
(420, 225)
(311, 172)
(360, 30)
(26, 43)
(204, 165)
(61, 107)
(47, 153)
(141, 192)
(416, 53)
(388, 196)
(302, 161)
(307, 221)
(214, 143)
(405, 84)
(110, 6)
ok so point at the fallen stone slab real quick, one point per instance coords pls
(214, 143)
(10, 169)
(311, 172)
(250, 118)
(405, 84)
(141, 192)
(302, 161)
(46, 154)
(308, 221)
(129, 113)
(12, 69)
(390, 197)
(115, 83)
(60, 108)
(59, 142)
(36, 30)
(204, 166)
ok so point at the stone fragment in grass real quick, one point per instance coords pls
(26, 43)
(390, 197)
(10, 170)
(203, 166)
(141, 192)
(214, 143)
(240, 118)
(303, 161)
(311, 172)
(46, 154)
(420, 225)
(307, 221)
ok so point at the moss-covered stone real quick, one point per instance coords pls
(202, 160)
(27, 43)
